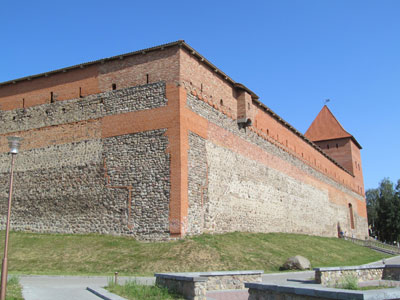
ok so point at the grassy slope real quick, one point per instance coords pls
(33, 253)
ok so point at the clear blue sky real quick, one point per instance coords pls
(293, 54)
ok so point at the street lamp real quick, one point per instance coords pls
(13, 142)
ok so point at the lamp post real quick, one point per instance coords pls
(13, 142)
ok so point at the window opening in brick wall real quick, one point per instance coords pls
(80, 92)
(267, 131)
(147, 78)
(114, 86)
(351, 216)
(327, 146)
(201, 87)
(23, 102)
(51, 97)
(248, 105)
(221, 102)
(337, 145)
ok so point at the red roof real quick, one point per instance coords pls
(326, 127)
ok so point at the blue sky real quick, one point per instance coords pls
(293, 54)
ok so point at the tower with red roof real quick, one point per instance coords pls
(327, 133)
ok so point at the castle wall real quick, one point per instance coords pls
(166, 158)
(63, 85)
(70, 178)
(270, 129)
(140, 69)
(197, 77)
(93, 79)
(199, 80)
(253, 185)
(197, 184)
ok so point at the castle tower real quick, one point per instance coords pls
(327, 133)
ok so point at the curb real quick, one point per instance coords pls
(104, 294)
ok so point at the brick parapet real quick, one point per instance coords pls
(92, 78)
(219, 117)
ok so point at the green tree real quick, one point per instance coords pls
(372, 196)
(383, 206)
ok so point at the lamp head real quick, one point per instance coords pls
(14, 143)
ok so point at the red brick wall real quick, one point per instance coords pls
(198, 77)
(37, 91)
(130, 71)
(340, 150)
(162, 65)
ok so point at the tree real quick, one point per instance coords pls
(383, 206)
(372, 196)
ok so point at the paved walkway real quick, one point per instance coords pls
(74, 287)
(395, 260)
(67, 287)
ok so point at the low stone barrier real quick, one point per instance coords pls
(333, 276)
(391, 272)
(190, 287)
(193, 286)
(260, 291)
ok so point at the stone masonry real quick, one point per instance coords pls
(160, 143)
(252, 196)
(115, 185)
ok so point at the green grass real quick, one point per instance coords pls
(348, 282)
(33, 253)
(376, 287)
(133, 291)
(14, 289)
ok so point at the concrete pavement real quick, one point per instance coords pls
(395, 260)
(68, 287)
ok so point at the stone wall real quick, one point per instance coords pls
(194, 285)
(92, 186)
(87, 108)
(231, 281)
(246, 195)
(189, 288)
(197, 184)
(69, 179)
(332, 277)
